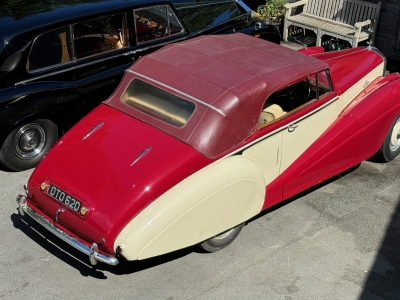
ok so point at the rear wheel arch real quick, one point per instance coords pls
(208, 203)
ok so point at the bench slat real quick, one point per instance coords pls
(352, 14)
(344, 30)
(327, 8)
(337, 11)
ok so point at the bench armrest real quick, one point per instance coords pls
(358, 25)
(294, 4)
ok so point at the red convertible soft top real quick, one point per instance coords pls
(228, 77)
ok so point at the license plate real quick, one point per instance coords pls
(63, 197)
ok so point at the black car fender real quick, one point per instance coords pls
(55, 104)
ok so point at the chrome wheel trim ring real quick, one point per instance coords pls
(29, 141)
(224, 234)
(395, 137)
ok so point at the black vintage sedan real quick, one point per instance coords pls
(58, 60)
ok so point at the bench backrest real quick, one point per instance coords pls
(344, 11)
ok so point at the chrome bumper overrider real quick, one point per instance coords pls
(92, 252)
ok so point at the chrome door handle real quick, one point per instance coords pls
(292, 127)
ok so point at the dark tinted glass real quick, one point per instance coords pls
(99, 35)
(155, 22)
(200, 17)
(49, 49)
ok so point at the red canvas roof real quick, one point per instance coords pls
(230, 76)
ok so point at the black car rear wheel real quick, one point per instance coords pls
(222, 240)
(26, 145)
(391, 146)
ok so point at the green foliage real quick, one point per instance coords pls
(272, 8)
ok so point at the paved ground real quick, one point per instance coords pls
(338, 241)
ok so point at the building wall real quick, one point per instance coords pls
(388, 32)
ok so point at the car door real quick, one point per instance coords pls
(84, 60)
(312, 108)
(300, 114)
(110, 44)
(102, 51)
(90, 55)
(310, 121)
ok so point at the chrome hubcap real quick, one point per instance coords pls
(29, 141)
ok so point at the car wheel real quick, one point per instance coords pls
(391, 146)
(222, 240)
(26, 145)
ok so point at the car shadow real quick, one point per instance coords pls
(7, 170)
(80, 261)
(383, 279)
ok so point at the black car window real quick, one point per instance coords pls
(99, 35)
(155, 22)
(50, 49)
(203, 16)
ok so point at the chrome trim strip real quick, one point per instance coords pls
(145, 151)
(76, 67)
(243, 5)
(95, 128)
(45, 75)
(89, 251)
(179, 92)
(377, 51)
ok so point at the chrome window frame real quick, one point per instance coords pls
(72, 60)
(168, 11)
(98, 54)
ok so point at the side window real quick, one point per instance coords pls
(205, 15)
(155, 22)
(50, 49)
(99, 35)
(295, 96)
(320, 83)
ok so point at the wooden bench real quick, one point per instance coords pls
(350, 20)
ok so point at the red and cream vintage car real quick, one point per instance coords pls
(202, 136)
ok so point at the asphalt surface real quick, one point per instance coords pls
(339, 240)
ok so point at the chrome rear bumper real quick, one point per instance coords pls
(92, 252)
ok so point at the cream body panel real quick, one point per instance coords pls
(306, 132)
(218, 197)
(267, 155)
(356, 89)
